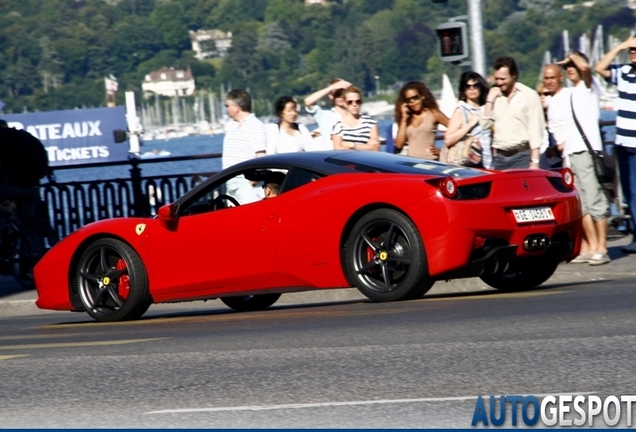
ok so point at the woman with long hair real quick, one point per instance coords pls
(417, 116)
(467, 117)
(287, 136)
(356, 131)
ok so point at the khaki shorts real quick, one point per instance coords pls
(593, 200)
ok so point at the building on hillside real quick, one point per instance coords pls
(210, 43)
(169, 82)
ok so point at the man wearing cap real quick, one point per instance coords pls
(582, 105)
(624, 78)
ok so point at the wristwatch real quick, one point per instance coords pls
(535, 161)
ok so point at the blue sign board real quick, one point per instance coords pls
(76, 137)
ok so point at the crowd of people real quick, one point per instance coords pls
(510, 125)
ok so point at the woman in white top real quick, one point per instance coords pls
(469, 114)
(355, 131)
(287, 136)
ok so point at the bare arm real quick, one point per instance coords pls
(440, 118)
(455, 130)
(582, 65)
(374, 141)
(400, 137)
(603, 66)
(311, 100)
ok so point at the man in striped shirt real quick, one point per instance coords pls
(624, 77)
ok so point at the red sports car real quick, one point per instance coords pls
(389, 225)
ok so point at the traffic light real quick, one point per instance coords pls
(453, 44)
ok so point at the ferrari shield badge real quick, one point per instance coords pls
(140, 228)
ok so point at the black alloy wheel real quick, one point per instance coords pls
(248, 303)
(112, 281)
(385, 257)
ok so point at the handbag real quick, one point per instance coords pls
(466, 152)
(604, 165)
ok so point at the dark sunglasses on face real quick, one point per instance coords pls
(472, 86)
(412, 99)
(351, 102)
(545, 93)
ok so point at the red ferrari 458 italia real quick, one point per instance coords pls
(389, 225)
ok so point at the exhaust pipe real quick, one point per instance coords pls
(536, 242)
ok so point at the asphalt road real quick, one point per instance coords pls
(332, 364)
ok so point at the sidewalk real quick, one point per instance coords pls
(16, 301)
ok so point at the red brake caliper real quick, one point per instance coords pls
(123, 287)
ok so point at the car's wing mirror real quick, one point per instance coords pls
(168, 216)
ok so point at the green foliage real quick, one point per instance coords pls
(55, 53)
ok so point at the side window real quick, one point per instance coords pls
(242, 188)
(298, 177)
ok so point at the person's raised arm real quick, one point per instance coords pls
(311, 100)
(400, 136)
(581, 64)
(603, 66)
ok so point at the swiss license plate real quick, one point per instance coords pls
(533, 214)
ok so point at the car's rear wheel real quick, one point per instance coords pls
(385, 257)
(249, 303)
(112, 281)
(526, 275)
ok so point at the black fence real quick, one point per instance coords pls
(72, 205)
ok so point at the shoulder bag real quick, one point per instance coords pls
(466, 152)
(603, 163)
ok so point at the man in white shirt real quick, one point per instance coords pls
(584, 104)
(245, 139)
(326, 119)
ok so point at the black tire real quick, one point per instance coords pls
(112, 281)
(249, 303)
(385, 257)
(527, 275)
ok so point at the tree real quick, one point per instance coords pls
(168, 18)
(51, 67)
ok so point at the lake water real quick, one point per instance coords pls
(198, 145)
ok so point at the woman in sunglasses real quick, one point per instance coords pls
(355, 131)
(467, 117)
(417, 116)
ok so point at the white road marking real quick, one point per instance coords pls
(336, 404)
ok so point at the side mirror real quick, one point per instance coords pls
(168, 216)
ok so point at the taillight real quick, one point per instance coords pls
(568, 177)
(448, 187)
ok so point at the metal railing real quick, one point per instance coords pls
(72, 205)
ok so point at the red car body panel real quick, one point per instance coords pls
(294, 241)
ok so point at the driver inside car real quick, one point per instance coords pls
(272, 183)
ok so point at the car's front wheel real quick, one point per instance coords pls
(526, 275)
(248, 303)
(385, 257)
(112, 281)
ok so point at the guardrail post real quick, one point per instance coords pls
(141, 206)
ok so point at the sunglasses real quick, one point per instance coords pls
(412, 99)
(472, 86)
(357, 102)
(545, 93)
(337, 93)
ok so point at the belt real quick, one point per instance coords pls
(523, 147)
